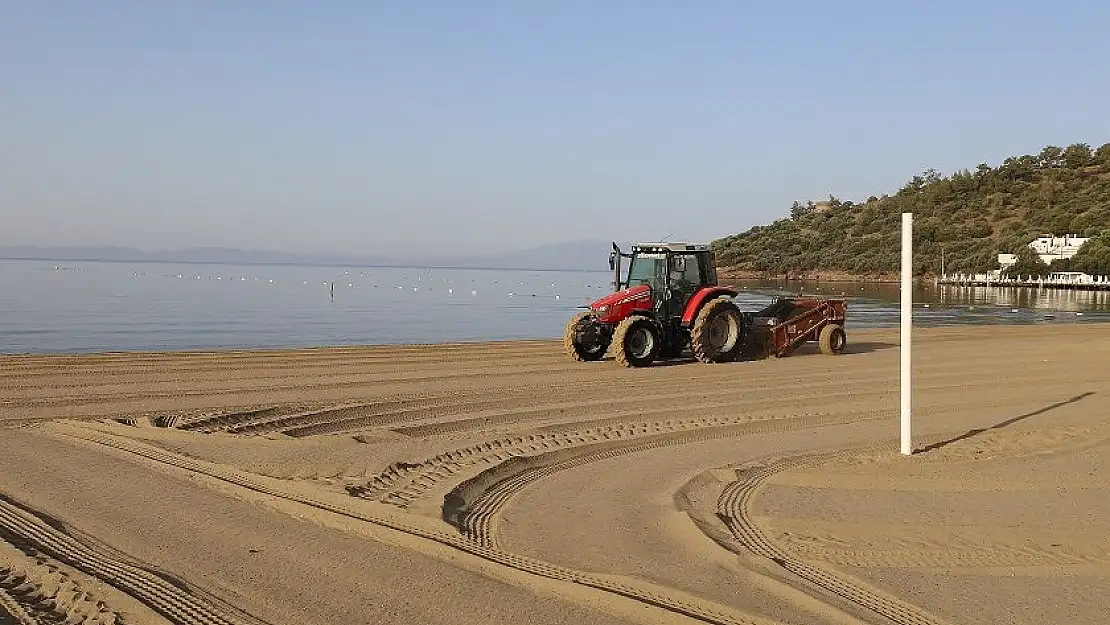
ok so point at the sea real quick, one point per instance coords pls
(75, 307)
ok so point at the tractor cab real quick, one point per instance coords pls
(674, 272)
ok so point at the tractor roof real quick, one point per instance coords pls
(673, 247)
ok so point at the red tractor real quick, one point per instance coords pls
(670, 300)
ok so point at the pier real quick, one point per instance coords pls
(1063, 280)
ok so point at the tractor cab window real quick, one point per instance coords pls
(649, 269)
(685, 276)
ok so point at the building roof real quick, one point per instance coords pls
(673, 247)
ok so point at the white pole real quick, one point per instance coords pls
(907, 315)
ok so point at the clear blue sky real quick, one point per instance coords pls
(390, 126)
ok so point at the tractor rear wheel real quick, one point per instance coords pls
(636, 342)
(832, 339)
(583, 339)
(718, 334)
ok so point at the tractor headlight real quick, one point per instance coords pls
(603, 309)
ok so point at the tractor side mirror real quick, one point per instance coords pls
(612, 261)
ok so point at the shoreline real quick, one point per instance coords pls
(475, 343)
(727, 273)
(867, 332)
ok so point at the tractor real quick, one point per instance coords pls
(670, 300)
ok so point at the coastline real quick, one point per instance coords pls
(728, 273)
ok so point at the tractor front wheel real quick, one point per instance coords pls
(636, 342)
(583, 338)
(718, 332)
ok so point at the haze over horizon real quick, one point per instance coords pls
(375, 128)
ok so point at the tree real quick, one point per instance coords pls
(1028, 264)
(1078, 155)
(1102, 155)
(1052, 156)
(1094, 256)
(799, 210)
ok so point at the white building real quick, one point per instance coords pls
(1048, 248)
(1051, 248)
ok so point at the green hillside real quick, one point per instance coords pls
(972, 215)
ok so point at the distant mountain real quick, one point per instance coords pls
(571, 256)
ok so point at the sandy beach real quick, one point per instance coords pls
(504, 482)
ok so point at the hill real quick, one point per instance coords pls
(970, 217)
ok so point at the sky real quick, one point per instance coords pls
(416, 127)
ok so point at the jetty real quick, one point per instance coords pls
(1072, 280)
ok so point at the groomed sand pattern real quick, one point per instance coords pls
(752, 492)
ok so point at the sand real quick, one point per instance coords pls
(493, 482)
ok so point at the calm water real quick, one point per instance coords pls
(91, 306)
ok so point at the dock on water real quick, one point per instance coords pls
(1072, 280)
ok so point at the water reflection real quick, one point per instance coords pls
(877, 304)
(1058, 300)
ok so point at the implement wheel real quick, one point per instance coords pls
(718, 334)
(636, 342)
(832, 339)
(583, 339)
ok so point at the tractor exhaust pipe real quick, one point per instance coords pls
(615, 266)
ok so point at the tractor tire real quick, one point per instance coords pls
(636, 342)
(578, 351)
(718, 334)
(832, 339)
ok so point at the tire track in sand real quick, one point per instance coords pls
(11, 608)
(734, 509)
(493, 408)
(34, 590)
(403, 483)
(169, 597)
(474, 506)
(649, 593)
